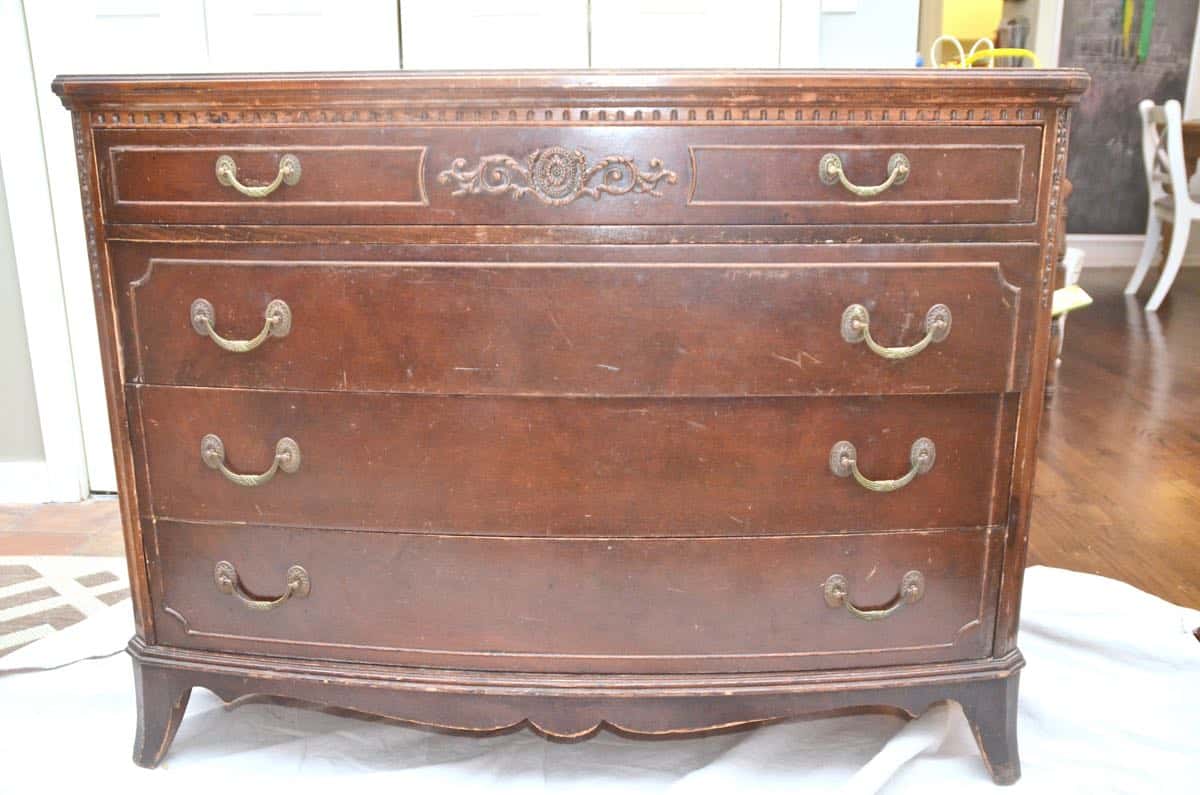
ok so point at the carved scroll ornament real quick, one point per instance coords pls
(556, 176)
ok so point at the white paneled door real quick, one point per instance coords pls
(301, 35)
(495, 34)
(674, 34)
(182, 36)
(170, 36)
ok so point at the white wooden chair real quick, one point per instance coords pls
(1170, 202)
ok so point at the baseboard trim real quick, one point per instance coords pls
(1121, 251)
(24, 482)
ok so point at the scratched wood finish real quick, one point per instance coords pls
(558, 707)
(638, 268)
(726, 310)
(586, 329)
(413, 599)
(389, 175)
(541, 466)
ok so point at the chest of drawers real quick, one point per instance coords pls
(663, 401)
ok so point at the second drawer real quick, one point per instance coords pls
(578, 466)
(580, 329)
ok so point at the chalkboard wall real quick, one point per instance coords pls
(1105, 161)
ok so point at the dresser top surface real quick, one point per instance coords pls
(739, 86)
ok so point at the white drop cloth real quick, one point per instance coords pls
(1110, 702)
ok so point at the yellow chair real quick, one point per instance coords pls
(971, 20)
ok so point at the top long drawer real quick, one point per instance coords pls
(644, 174)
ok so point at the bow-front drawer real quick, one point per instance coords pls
(621, 605)
(588, 329)
(616, 174)
(578, 466)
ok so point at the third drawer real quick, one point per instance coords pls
(577, 466)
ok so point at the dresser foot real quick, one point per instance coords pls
(991, 710)
(161, 701)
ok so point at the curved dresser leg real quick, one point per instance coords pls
(991, 709)
(161, 701)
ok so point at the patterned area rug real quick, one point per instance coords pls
(42, 595)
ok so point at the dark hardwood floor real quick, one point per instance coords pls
(1117, 490)
(1118, 485)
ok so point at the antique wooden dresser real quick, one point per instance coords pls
(662, 401)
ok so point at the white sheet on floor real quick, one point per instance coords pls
(1110, 702)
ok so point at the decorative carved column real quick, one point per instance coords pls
(1058, 324)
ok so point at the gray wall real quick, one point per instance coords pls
(20, 434)
(1105, 162)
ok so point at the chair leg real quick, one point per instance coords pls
(1149, 251)
(1179, 239)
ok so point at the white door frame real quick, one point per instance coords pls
(174, 37)
(1191, 98)
(62, 477)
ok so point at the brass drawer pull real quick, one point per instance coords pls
(837, 594)
(277, 322)
(831, 171)
(843, 461)
(856, 327)
(289, 174)
(228, 582)
(287, 459)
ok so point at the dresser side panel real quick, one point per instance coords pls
(112, 359)
(1054, 153)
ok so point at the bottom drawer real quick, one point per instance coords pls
(642, 605)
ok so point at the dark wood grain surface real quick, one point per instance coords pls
(637, 205)
(726, 319)
(1116, 491)
(587, 329)
(1080, 522)
(1191, 144)
(727, 604)
(679, 174)
(585, 466)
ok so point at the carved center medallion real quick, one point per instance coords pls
(555, 175)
